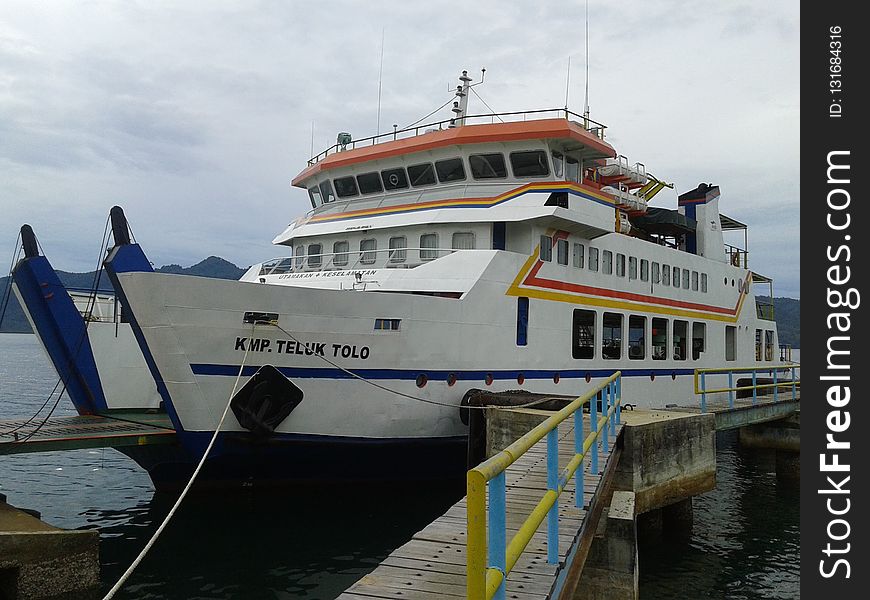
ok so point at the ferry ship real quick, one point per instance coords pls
(497, 251)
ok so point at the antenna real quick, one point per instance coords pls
(380, 79)
(567, 81)
(586, 101)
(312, 138)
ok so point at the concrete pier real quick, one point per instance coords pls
(39, 561)
(611, 569)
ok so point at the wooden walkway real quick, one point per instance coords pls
(432, 564)
(72, 433)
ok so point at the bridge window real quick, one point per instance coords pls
(394, 179)
(423, 174)
(367, 251)
(340, 252)
(768, 344)
(704, 282)
(694, 281)
(326, 191)
(529, 163)
(572, 169)
(398, 250)
(759, 345)
(562, 252)
(463, 240)
(666, 275)
(558, 164)
(583, 334)
(369, 183)
(611, 336)
(345, 187)
(730, 342)
(546, 251)
(676, 277)
(607, 262)
(699, 339)
(450, 170)
(428, 246)
(593, 259)
(300, 256)
(315, 255)
(659, 338)
(314, 194)
(636, 337)
(681, 332)
(579, 255)
(487, 166)
(644, 269)
(685, 279)
(632, 267)
(522, 321)
(656, 272)
(620, 265)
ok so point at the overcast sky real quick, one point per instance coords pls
(195, 116)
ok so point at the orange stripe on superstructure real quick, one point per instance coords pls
(467, 134)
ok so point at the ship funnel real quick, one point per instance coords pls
(120, 230)
(28, 241)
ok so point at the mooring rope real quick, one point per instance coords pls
(186, 489)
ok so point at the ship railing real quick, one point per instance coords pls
(491, 556)
(99, 308)
(395, 258)
(773, 379)
(593, 127)
(785, 353)
(737, 257)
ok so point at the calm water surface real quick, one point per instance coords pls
(314, 543)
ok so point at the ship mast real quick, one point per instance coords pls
(460, 107)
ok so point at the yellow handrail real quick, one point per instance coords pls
(702, 390)
(482, 580)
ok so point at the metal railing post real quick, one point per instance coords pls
(553, 485)
(619, 398)
(578, 449)
(793, 384)
(754, 386)
(475, 570)
(593, 428)
(605, 409)
(730, 389)
(498, 530)
(775, 385)
(703, 392)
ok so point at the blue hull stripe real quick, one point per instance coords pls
(406, 374)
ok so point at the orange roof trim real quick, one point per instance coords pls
(467, 134)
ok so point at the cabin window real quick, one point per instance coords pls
(345, 187)
(685, 279)
(487, 166)
(428, 246)
(529, 163)
(572, 169)
(315, 255)
(666, 275)
(368, 251)
(326, 191)
(394, 179)
(607, 262)
(463, 240)
(369, 183)
(398, 250)
(656, 272)
(522, 321)
(593, 259)
(562, 252)
(694, 281)
(579, 255)
(546, 251)
(388, 324)
(421, 174)
(699, 339)
(659, 338)
(611, 336)
(316, 198)
(644, 269)
(768, 344)
(300, 256)
(583, 334)
(340, 252)
(558, 164)
(636, 337)
(450, 170)
(704, 282)
(681, 332)
(730, 342)
(620, 265)
(676, 277)
(632, 267)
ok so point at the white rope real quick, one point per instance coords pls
(187, 487)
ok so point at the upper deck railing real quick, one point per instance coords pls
(588, 124)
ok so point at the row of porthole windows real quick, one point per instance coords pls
(524, 163)
(368, 250)
(660, 273)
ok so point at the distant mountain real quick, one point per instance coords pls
(213, 266)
